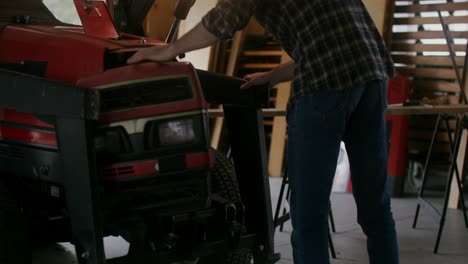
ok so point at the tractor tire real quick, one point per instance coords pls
(224, 183)
(14, 246)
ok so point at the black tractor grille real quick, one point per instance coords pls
(11, 152)
(145, 94)
(171, 192)
(109, 173)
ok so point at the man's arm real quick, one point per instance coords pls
(220, 23)
(284, 72)
(196, 38)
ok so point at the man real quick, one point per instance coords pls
(338, 94)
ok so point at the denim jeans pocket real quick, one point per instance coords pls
(324, 103)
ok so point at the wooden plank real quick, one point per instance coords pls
(110, 7)
(428, 60)
(416, 8)
(429, 35)
(159, 19)
(425, 47)
(420, 110)
(428, 123)
(260, 53)
(461, 158)
(429, 20)
(440, 99)
(216, 131)
(377, 10)
(278, 133)
(259, 66)
(446, 74)
(230, 71)
(427, 135)
(427, 110)
(423, 146)
(217, 57)
(212, 113)
(388, 24)
(236, 47)
(435, 86)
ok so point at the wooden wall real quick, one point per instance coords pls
(159, 19)
(199, 58)
(377, 10)
(421, 53)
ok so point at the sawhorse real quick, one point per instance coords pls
(454, 148)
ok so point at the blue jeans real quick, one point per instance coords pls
(317, 124)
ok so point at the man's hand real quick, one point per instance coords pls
(257, 78)
(284, 72)
(158, 53)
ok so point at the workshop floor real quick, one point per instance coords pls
(416, 245)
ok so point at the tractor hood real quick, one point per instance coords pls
(130, 13)
(33, 10)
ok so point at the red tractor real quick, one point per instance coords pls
(92, 147)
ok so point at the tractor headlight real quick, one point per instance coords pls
(112, 141)
(176, 132)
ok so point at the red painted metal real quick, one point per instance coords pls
(151, 167)
(70, 55)
(96, 19)
(12, 116)
(129, 170)
(398, 92)
(195, 160)
(76, 56)
(28, 136)
(146, 71)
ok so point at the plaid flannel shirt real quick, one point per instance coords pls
(334, 43)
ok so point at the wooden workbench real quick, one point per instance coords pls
(392, 110)
(397, 110)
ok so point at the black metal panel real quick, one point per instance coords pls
(36, 68)
(75, 147)
(161, 194)
(247, 139)
(27, 93)
(146, 93)
(31, 162)
(222, 89)
(129, 15)
(3, 25)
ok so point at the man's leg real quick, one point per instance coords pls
(366, 145)
(315, 130)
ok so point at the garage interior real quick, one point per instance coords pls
(431, 74)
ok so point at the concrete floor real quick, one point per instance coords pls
(416, 245)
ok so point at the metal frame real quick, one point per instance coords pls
(75, 109)
(462, 123)
(243, 115)
(27, 93)
(454, 146)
